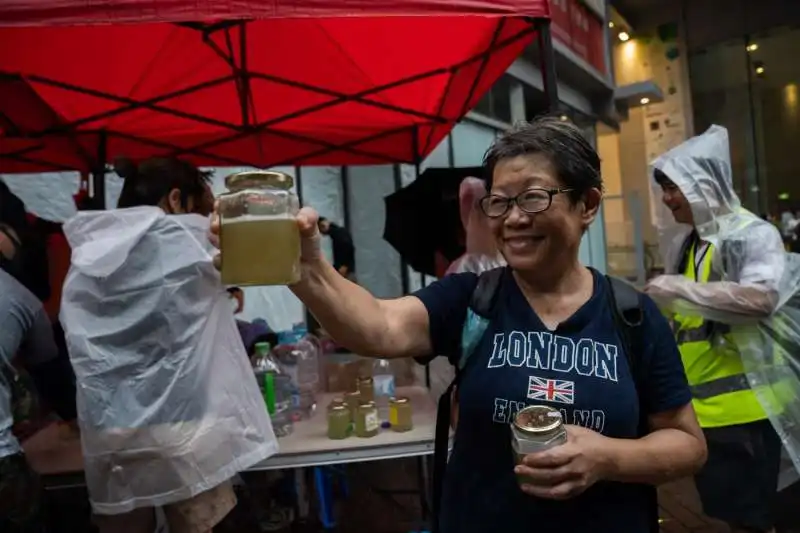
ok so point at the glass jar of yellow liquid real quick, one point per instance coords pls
(259, 237)
(400, 413)
(352, 399)
(366, 388)
(338, 422)
(367, 423)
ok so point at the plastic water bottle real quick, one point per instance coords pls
(383, 379)
(276, 388)
(307, 355)
(298, 356)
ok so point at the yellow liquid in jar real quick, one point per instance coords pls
(260, 252)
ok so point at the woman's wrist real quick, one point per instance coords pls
(659, 457)
(313, 275)
(608, 452)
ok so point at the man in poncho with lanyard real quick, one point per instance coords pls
(727, 279)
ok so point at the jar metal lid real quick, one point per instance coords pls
(339, 407)
(537, 419)
(368, 405)
(399, 401)
(257, 179)
(365, 379)
(352, 394)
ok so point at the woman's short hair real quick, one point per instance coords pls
(575, 160)
(150, 181)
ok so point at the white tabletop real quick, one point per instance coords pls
(53, 453)
(309, 445)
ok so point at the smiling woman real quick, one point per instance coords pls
(551, 340)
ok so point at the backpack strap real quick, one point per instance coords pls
(628, 318)
(481, 307)
(485, 294)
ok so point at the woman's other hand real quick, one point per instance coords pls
(310, 249)
(567, 470)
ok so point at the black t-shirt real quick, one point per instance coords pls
(344, 253)
(579, 368)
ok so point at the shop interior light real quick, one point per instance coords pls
(624, 36)
(644, 101)
(759, 66)
(610, 24)
(564, 118)
(752, 47)
(783, 196)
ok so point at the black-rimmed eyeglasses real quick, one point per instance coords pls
(533, 200)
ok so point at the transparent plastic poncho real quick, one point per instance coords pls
(168, 404)
(481, 251)
(757, 291)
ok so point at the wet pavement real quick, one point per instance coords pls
(369, 508)
(378, 497)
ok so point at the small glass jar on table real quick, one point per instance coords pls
(259, 236)
(366, 387)
(400, 414)
(336, 402)
(338, 422)
(352, 399)
(367, 422)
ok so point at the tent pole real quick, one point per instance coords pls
(404, 282)
(99, 173)
(548, 66)
(416, 177)
(421, 284)
(417, 164)
(344, 179)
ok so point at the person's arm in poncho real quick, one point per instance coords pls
(753, 266)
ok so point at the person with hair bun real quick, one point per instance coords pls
(174, 185)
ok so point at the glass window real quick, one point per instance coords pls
(535, 102)
(721, 95)
(496, 103)
(750, 85)
(470, 142)
(377, 263)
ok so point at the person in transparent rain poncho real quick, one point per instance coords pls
(727, 283)
(168, 406)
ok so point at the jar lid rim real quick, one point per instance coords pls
(259, 178)
(536, 414)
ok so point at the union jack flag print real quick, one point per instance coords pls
(551, 390)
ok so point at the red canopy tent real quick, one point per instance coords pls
(249, 83)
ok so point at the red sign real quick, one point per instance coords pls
(597, 42)
(559, 21)
(581, 30)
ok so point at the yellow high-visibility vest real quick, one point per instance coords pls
(721, 395)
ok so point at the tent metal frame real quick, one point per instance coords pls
(234, 52)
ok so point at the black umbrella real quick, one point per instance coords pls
(423, 218)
